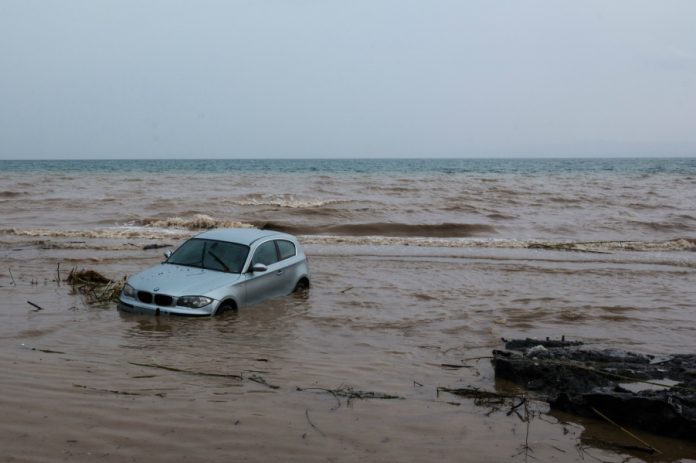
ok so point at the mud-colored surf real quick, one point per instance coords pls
(410, 272)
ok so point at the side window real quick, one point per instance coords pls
(286, 249)
(265, 254)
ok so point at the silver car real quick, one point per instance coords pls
(219, 270)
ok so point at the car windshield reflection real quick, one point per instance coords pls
(220, 256)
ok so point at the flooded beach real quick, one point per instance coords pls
(413, 269)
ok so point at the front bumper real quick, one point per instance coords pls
(133, 306)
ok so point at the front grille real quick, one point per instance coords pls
(145, 297)
(163, 299)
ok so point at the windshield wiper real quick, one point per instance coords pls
(227, 269)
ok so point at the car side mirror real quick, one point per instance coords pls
(259, 268)
(167, 254)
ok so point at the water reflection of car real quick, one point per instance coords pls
(219, 270)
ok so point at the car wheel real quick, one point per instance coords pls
(301, 285)
(227, 306)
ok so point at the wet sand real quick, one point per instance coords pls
(82, 382)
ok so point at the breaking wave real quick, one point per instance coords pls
(159, 233)
(206, 222)
(288, 201)
(443, 230)
(196, 222)
(590, 247)
(100, 233)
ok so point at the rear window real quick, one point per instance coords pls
(286, 249)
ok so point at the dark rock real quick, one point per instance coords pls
(581, 381)
(518, 344)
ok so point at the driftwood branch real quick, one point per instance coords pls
(190, 372)
(312, 424)
(349, 393)
(94, 286)
(626, 431)
(34, 305)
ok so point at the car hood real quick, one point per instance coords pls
(179, 280)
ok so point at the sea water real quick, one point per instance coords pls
(415, 264)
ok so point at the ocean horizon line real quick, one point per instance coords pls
(355, 158)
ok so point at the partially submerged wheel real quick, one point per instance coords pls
(302, 285)
(226, 306)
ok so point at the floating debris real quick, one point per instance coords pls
(115, 391)
(38, 307)
(261, 380)
(190, 372)
(94, 286)
(45, 351)
(349, 393)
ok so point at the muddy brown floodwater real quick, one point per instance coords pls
(415, 264)
(82, 382)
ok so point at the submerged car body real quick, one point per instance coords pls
(219, 270)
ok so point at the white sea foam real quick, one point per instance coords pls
(195, 222)
(287, 202)
(603, 246)
(100, 233)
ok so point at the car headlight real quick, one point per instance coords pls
(195, 302)
(128, 290)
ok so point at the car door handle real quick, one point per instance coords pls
(279, 272)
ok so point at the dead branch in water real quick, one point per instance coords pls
(37, 307)
(94, 286)
(253, 377)
(495, 401)
(528, 418)
(330, 391)
(261, 380)
(453, 366)
(312, 424)
(626, 431)
(12, 277)
(114, 391)
(349, 393)
(45, 351)
(473, 393)
(190, 372)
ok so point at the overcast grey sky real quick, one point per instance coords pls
(350, 78)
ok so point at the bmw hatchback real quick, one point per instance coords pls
(219, 270)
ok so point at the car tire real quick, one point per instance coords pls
(226, 306)
(301, 285)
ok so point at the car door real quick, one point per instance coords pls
(262, 285)
(287, 253)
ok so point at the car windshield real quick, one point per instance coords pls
(209, 254)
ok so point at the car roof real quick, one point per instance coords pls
(240, 235)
